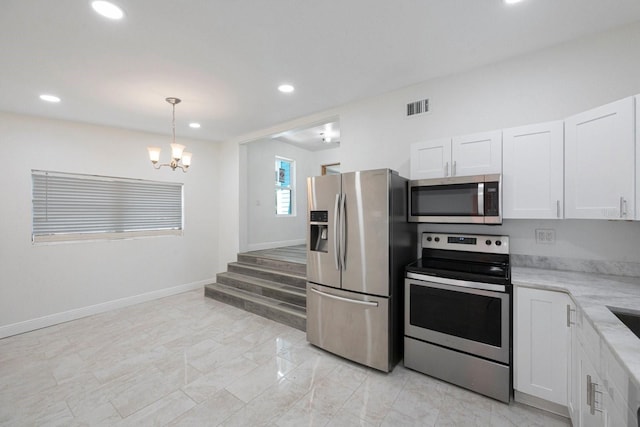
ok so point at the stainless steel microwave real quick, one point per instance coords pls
(463, 200)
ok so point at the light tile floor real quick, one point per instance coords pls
(188, 360)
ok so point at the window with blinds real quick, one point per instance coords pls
(82, 207)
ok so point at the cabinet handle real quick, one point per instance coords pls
(594, 402)
(623, 207)
(569, 310)
(446, 169)
(591, 396)
(558, 208)
(453, 169)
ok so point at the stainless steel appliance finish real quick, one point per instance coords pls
(354, 326)
(458, 312)
(468, 199)
(466, 344)
(481, 375)
(359, 241)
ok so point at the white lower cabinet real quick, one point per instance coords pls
(542, 344)
(562, 364)
(591, 397)
(601, 393)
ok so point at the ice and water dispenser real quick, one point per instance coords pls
(319, 223)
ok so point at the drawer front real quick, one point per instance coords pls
(350, 325)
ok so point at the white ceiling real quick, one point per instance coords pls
(225, 58)
(316, 138)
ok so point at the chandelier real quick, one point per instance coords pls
(179, 158)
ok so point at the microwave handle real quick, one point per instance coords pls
(481, 199)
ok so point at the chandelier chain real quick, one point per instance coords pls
(174, 122)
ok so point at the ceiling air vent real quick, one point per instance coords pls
(417, 107)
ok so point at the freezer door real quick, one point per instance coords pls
(366, 226)
(323, 260)
(350, 325)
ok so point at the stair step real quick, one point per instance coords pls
(267, 288)
(288, 314)
(291, 279)
(273, 264)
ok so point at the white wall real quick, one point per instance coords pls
(546, 85)
(46, 283)
(264, 228)
(325, 157)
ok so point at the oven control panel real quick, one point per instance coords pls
(466, 242)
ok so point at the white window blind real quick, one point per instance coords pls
(79, 207)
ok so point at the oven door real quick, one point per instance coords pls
(473, 321)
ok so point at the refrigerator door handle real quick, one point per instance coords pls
(353, 301)
(336, 220)
(343, 232)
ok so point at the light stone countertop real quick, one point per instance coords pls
(593, 293)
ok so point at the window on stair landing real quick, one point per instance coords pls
(285, 188)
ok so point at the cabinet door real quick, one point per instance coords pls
(542, 344)
(431, 159)
(533, 171)
(477, 154)
(591, 402)
(600, 162)
(573, 371)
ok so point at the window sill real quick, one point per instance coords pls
(101, 237)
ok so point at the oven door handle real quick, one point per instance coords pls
(343, 299)
(457, 282)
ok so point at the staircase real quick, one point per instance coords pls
(270, 283)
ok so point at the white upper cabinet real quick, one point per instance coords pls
(431, 159)
(600, 162)
(532, 171)
(475, 154)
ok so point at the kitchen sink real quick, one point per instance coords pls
(631, 319)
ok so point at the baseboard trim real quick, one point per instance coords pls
(66, 316)
(539, 403)
(271, 245)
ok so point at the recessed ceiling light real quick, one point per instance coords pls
(107, 9)
(512, 1)
(49, 98)
(286, 88)
(194, 125)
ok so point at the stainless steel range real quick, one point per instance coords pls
(458, 312)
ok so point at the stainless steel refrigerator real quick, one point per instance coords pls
(359, 242)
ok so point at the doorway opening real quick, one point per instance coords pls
(314, 150)
(331, 169)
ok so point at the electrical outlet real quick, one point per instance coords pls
(545, 236)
